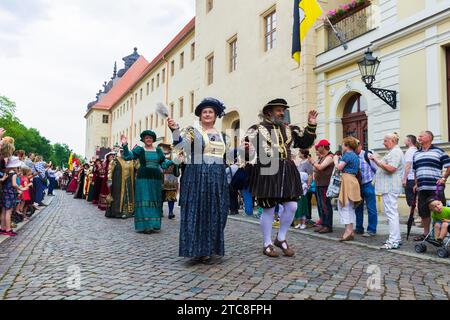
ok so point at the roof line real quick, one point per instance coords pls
(172, 44)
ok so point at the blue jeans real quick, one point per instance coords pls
(369, 197)
(324, 206)
(51, 185)
(248, 201)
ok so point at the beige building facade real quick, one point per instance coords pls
(236, 51)
(240, 53)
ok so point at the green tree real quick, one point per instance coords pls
(7, 107)
(30, 139)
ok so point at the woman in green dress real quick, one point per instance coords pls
(148, 191)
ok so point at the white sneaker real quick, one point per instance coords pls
(297, 226)
(390, 246)
(303, 227)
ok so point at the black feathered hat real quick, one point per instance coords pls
(275, 103)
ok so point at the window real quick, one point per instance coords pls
(270, 30)
(140, 93)
(146, 123)
(172, 107)
(140, 126)
(233, 54)
(148, 88)
(135, 98)
(153, 84)
(135, 130)
(162, 122)
(157, 81)
(193, 51)
(210, 69)
(172, 68)
(192, 101)
(181, 60)
(151, 122)
(105, 118)
(156, 122)
(164, 76)
(104, 142)
(181, 107)
(209, 5)
(128, 103)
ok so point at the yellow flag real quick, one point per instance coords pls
(306, 12)
(70, 162)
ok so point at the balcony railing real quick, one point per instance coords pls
(351, 26)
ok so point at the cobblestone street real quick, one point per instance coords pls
(72, 236)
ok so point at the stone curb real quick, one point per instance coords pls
(355, 243)
(23, 224)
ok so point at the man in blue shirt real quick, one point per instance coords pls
(367, 174)
(428, 164)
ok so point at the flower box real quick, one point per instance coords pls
(347, 10)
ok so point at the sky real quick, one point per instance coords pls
(56, 54)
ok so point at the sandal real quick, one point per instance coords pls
(420, 238)
(270, 252)
(288, 252)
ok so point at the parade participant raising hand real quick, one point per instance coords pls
(203, 219)
(148, 195)
(274, 178)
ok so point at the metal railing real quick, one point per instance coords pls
(351, 26)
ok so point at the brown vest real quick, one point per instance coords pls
(323, 177)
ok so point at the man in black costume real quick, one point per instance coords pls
(273, 176)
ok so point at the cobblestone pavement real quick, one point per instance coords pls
(72, 237)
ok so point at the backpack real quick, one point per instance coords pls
(366, 158)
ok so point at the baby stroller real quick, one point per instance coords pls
(443, 250)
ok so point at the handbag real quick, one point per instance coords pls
(334, 187)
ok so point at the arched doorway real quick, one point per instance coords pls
(231, 125)
(355, 121)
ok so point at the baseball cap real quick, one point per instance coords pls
(323, 143)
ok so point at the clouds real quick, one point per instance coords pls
(55, 54)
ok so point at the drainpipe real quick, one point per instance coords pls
(166, 94)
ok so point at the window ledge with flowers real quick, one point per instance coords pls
(351, 20)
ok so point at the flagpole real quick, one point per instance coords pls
(336, 33)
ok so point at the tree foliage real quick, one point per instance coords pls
(30, 139)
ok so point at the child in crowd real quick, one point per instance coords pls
(25, 183)
(302, 209)
(7, 148)
(11, 189)
(441, 218)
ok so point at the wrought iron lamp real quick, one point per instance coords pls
(369, 66)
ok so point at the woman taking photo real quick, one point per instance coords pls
(388, 183)
(148, 194)
(349, 195)
(204, 196)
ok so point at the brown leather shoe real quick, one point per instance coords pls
(348, 238)
(270, 252)
(325, 230)
(318, 229)
(287, 252)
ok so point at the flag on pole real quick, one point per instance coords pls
(306, 12)
(71, 162)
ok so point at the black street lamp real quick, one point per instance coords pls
(369, 67)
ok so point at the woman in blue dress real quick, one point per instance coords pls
(204, 193)
(148, 194)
